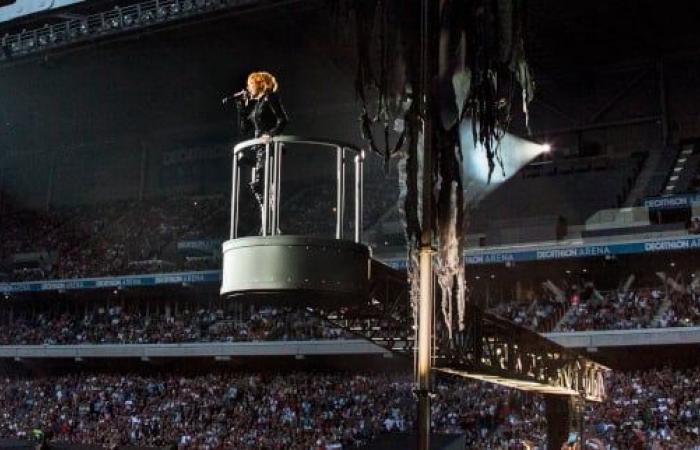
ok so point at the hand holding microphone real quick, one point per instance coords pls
(240, 95)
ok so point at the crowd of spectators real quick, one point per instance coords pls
(614, 311)
(140, 321)
(108, 239)
(312, 211)
(299, 410)
(114, 324)
(683, 310)
(657, 409)
(540, 314)
(126, 237)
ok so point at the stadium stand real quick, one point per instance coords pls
(100, 322)
(683, 310)
(129, 237)
(683, 171)
(653, 176)
(566, 184)
(332, 410)
(254, 410)
(615, 311)
(652, 409)
(540, 314)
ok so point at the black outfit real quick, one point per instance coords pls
(264, 115)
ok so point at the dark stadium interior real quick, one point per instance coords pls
(115, 181)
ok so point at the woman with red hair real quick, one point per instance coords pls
(260, 111)
(260, 108)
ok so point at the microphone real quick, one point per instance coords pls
(242, 94)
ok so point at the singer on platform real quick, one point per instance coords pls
(259, 110)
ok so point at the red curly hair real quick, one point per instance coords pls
(264, 81)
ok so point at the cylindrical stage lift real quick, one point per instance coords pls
(281, 267)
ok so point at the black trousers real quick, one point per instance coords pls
(257, 178)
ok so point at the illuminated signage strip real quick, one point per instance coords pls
(672, 201)
(472, 257)
(208, 276)
(577, 250)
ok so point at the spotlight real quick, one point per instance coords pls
(546, 148)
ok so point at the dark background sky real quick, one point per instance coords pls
(95, 113)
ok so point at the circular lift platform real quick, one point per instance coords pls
(327, 270)
(291, 268)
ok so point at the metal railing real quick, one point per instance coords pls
(272, 178)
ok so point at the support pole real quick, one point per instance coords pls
(425, 332)
(429, 53)
(2, 187)
(142, 170)
(359, 200)
(50, 182)
(662, 103)
(340, 192)
(559, 412)
(582, 430)
(582, 424)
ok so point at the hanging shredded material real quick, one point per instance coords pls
(481, 67)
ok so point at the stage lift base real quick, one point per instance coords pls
(295, 269)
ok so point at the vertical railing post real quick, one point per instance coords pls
(359, 193)
(278, 186)
(266, 193)
(340, 192)
(273, 189)
(234, 197)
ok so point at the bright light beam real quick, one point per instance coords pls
(515, 152)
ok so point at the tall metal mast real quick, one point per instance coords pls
(428, 42)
